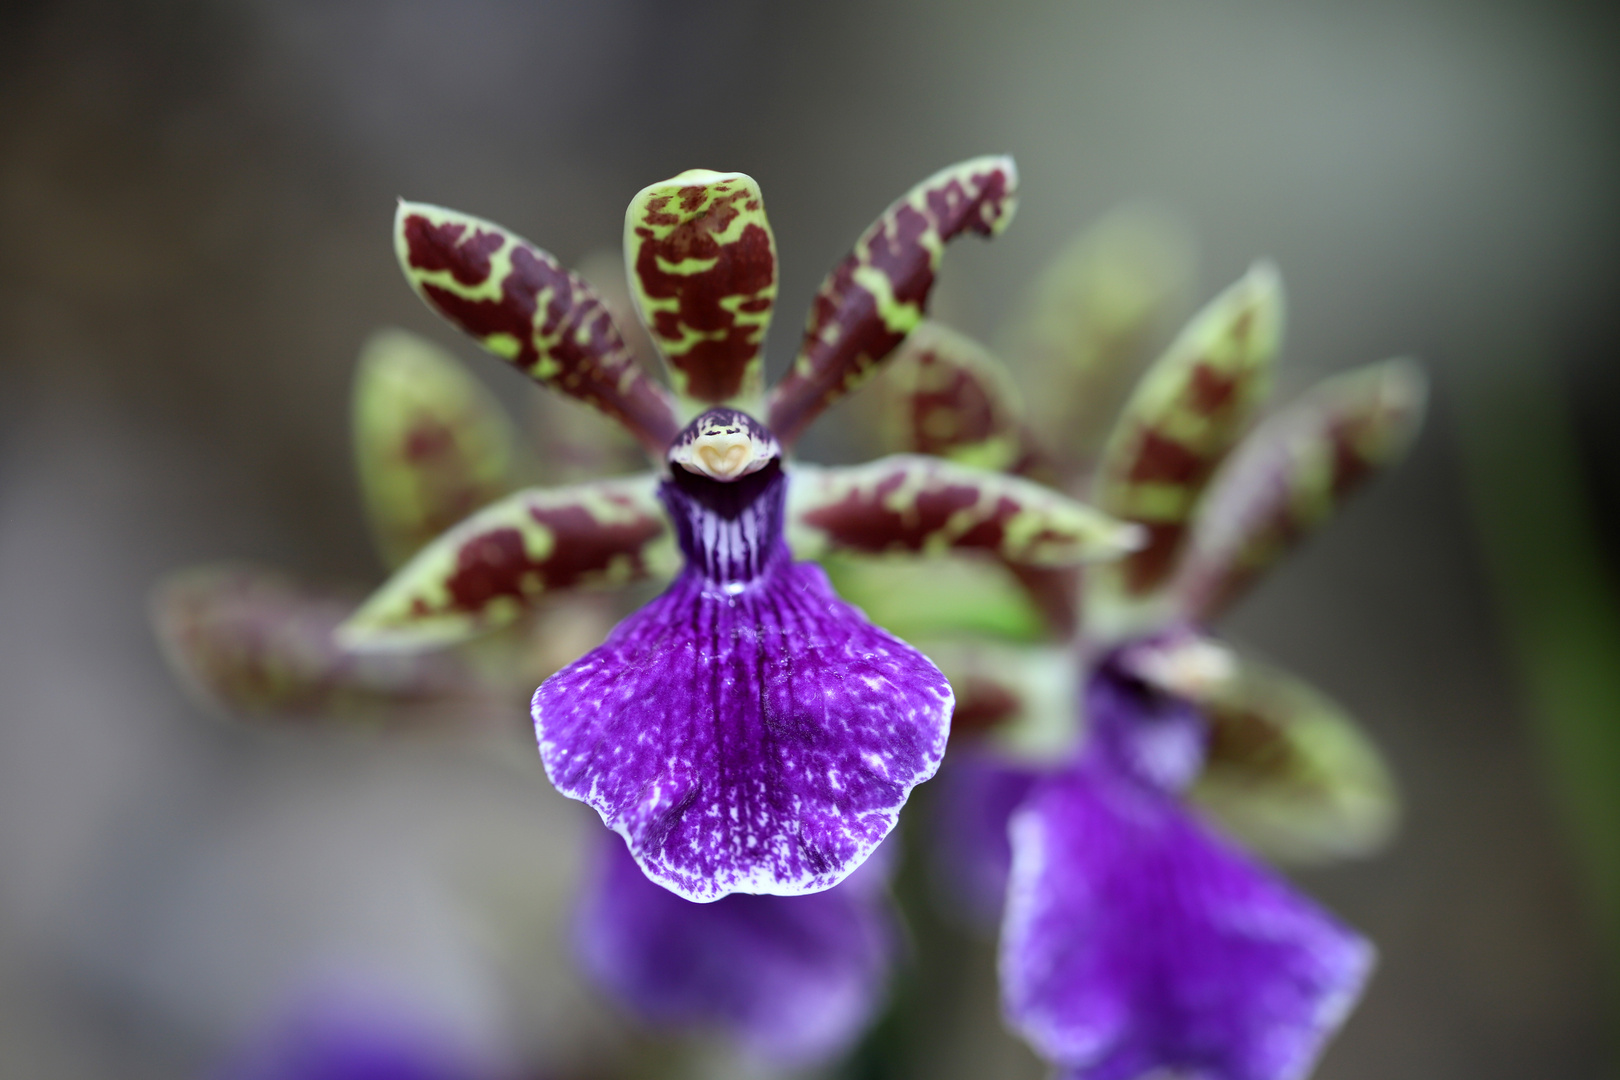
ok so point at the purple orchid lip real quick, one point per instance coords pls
(747, 731)
(1137, 939)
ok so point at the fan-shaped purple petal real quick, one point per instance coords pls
(793, 979)
(756, 736)
(1137, 940)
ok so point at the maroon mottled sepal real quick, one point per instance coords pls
(250, 642)
(878, 294)
(1285, 768)
(703, 272)
(945, 394)
(1291, 474)
(521, 304)
(908, 502)
(486, 571)
(1180, 422)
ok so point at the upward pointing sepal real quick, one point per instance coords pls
(1187, 413)
(702, 267)
(879, 292)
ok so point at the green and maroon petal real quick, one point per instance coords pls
(1286, 768)
(703, 273)
(1290, 475)
(489, 569)
(1189, 410)
(250, 642)
(911, 503)
(431, 444)
(878, 294)
(522, 305)
(1089, 322)
(945, 394)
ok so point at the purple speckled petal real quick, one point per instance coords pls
(747, 731)
(976, 795)
(793, 980)
(1136, 939)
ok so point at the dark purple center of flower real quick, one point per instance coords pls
(730, 531)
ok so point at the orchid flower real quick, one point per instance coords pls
(1136, 938)
(746, 731)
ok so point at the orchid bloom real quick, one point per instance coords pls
(1137, 939)
(746, 731)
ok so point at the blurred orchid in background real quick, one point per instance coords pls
(1135, 937)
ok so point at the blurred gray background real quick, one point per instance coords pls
(195, 200)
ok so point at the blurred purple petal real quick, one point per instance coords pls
(1136, 939)
(793, 979)
(747, 731)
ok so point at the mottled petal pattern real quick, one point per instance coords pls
(431, 444)
(944, 394)
(1291, 773)
(1180, 422)
(1290, 475)
(756, 739)
(908, 502)
(488, 570)
(1136, 940)
(793, 980)
(878, 294)
(521, 304)
(1287, 769)
(703, 271)
(251, 642)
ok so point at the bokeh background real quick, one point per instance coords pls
(195, 199)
